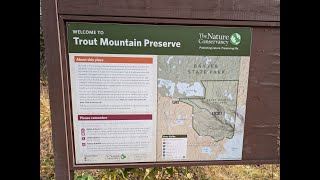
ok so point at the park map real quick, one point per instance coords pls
(197, 98)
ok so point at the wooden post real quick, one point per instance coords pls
(56, 90)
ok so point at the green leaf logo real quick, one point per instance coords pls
(123, 156)
(235, 38)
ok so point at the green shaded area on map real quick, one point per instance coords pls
(215, 114)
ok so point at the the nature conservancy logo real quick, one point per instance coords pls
(215, 41)
(219, 39)
(235, 38)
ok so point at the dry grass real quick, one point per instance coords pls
(46, 149)
(239, 172)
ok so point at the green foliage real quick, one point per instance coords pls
(150, 173)
(85, 176)
(132, 174)
(169, 170)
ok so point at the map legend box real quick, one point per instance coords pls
(174, 147)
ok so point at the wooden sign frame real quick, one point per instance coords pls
(262, 129)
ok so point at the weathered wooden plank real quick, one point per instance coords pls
(250, 10)
(262, 124)
(170, 21)
(173, 163)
